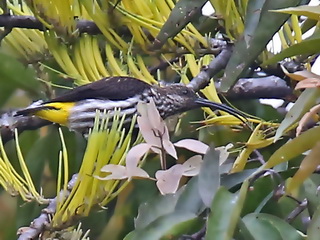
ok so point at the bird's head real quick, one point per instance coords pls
(177, 98)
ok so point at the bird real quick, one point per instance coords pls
(77, 108)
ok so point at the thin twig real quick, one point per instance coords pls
(4, 33)
(298, 210)
(9, 122)
(30, 22)
(259, 157)
(196, 236)
(162, 65)
(215, 66)
(39, 224)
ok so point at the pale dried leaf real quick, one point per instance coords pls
(192, 166)
(136, 153)
(137, 172)
(308, 83)
(154, 129)
(300, 75)
(154, 116)
(193, 145)
(169, 147)
(142, 108)
(156, 150)
(147, 132)
(168, 180)
(151, 132)
(307, 118)
(224, 154)
(117, 172)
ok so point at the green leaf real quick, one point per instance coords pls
(190, 199)
(76, 146)
(183, 12)
(294, 148)
(234, 179)
(312, 12)
(15, 75)
(172, 214)
(260, 195)
(27, 212)
(174, 223)
(53, 150)
(311, 193)
(155, 208)
(313, 230)
(252, 18)
(306, 47)
(6, 91)
(264, 227)
(225, 212)
(36, 157)
(209, 176)
(308, 24)
(243, 233)
(247, 49)
(306, 100)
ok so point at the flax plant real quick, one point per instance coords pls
(107, 144)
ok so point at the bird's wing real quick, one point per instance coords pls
(112, 88)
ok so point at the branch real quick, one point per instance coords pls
(255, 88)
(215, 66)
(39, 224)
(298, 210)
(8, 122)
(30, 22)
(215, 48)
(245, 88)
(162, 65)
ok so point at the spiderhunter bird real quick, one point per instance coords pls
(77, 108)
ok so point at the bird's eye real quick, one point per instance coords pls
(185, 91)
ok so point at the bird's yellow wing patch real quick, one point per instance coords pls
(58, 113)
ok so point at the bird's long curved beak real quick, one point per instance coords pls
(219, 106)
